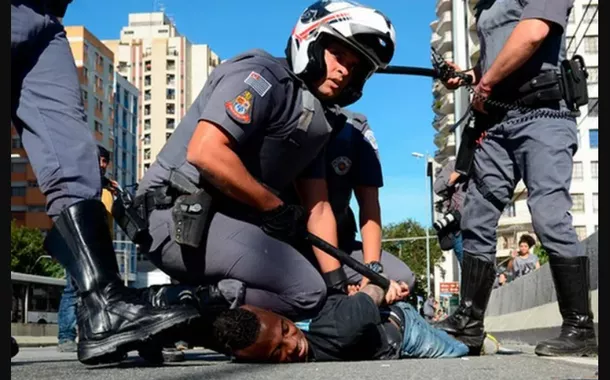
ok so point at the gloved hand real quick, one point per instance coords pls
(285, 222)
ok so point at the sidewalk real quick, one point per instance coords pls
(36, 341)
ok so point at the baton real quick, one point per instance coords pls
(346, 259)
(410, 70)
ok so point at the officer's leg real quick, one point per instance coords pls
(489, 190)
(48, 113)
(545, 158)
(277, 277)
(393, 267)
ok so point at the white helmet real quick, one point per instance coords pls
(365, 30)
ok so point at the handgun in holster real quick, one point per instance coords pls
(191, 211)
(471, 132)
(129, 217)
(573, 83)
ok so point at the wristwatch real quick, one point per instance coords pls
(375, 266)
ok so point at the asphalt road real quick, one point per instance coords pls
(47, 363)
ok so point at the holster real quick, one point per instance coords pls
(191, 212)
(471, 132)
(130, 218)
(574, 82)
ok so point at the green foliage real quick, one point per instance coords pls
(413, 253)
(543, 256)
(26, 249)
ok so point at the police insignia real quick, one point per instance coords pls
(240, 108)
(258, 83)
(371, 138)
(341, 165)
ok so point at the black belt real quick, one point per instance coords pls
(155, 199)
(541, 91)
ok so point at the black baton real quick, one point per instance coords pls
(409, 70)
(346, 259)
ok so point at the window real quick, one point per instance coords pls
(571, 46)
(147, 80)
(509, 211)
(84, 95)
(170, 64)
(596, 227)
(98, 126)
(577, 171)
(170, 80)
(125, 120)
(572, 17)
(16, 142)
(595, 203)
(147, 109)
(32, 184)
(146, 166)
(170, 123)
(594, 169)
(37, 208)
(146, 124)
(593, 107)
(578, 203)
(168, 135)
(18, 167)
(125, 98)
(591, 14)
(96, 83)
(147, 65)
(591, 43)
(593, 139)
(147, 138)
(170, 94)
(147, 94)
(18, 191)
(170, 108)
(147, 154)
(581, 232)
(593, 75)
(99, 106)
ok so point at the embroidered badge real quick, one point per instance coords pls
(341, 165)
(258, 83)
(240, 108)
(371, 137)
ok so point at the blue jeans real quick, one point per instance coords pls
(66, 317)
(422, 340)
(458, 248)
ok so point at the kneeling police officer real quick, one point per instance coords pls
(258, 127)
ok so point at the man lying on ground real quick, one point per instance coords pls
(356, 327)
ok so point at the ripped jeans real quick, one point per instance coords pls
(421, 340)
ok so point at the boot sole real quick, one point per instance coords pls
(585, 351)
(114, 348)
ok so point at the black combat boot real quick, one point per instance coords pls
(466, 323)
(112, 319)
(209, 300)
(577, 338)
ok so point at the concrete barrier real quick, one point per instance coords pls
(526, 310)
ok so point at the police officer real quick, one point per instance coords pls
(523, 43)
(47, 111)
(353, 166)
(257, 128)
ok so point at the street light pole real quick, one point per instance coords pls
(426, 156)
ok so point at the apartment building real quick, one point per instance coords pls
(168, 70)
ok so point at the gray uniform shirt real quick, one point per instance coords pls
(496, 19)
(522, 266)
(454, 195)
(279, 127)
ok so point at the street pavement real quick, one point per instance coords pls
(46, 363)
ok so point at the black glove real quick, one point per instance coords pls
(285, 222)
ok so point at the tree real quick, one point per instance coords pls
(543, 256)
(26, 249)
(413, 253)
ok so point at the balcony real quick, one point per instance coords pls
(442, 6)
(444, 23)
(442, 122)
(433, 25)
(445, 43)
(444, 105)
(446, 149)
(438, 89)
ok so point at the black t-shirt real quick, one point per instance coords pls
(347, 328)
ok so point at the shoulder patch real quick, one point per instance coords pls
(258, 83)
(240, 108)
(371, 138)
(341, 165)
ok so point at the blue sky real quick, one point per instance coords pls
(398, 107)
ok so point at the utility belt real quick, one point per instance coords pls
(543, 91)
(191, 211)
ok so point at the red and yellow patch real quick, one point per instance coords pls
(240, 108)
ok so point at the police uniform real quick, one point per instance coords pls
(48, 113)
(352, 160)
(280, 130)
(536, 146)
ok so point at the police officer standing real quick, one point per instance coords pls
(258, 127)
(353, 166)
(523, 44)
(47, 111)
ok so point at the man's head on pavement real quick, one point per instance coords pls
(104, 159)
(337, 45)
(252, 334)
(525, 243)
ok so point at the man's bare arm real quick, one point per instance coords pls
(211, 151)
